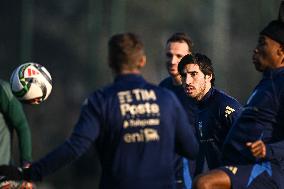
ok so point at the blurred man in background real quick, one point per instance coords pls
(136, 134)
(178, 45)
(254, 149)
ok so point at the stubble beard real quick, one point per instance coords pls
(199, 96)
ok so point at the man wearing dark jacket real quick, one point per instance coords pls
(178, 45)
(214, 112)
(253, 151)
(137, 128)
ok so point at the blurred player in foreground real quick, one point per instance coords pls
(254, 149)
(137, 128)
(13, 119)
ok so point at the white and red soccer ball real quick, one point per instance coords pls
(31, 83)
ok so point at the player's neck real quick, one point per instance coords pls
(134, 71)
(176, 80)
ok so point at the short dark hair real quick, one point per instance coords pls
(275, 29)
(124, 50)
(181, 37)
(202, 61)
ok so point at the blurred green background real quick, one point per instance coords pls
(69, 37)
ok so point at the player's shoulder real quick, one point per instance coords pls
(225, 99)
(279, 78)
(112, 89)
(103, 92)
(224, 96)
(277, 73)
(5, 89)
(166, 82)
(161, 89)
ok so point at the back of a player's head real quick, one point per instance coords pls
(124, 51)
(181, 37)
(204, 63)
(275, 29)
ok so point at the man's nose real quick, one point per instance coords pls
(173, 60)
(188, 79)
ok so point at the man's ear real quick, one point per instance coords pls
(209, 77)
(142, 62)
(280, 52)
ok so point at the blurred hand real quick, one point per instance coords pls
(10, 184)
(11, 177)
(26, 164)
(26, 184)
(9, 172)
(257, 148)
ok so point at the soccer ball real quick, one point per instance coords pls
(31, 83)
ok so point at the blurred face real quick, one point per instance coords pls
(266, 54)
(194, 82)
(174, 53)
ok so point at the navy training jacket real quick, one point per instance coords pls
(261, 119)
(137, 128)
(214, 117)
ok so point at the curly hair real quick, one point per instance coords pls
(202, 61)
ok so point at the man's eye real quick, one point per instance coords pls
(261, 41)
(169, 55)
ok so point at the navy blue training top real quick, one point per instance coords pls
(137, 128)
(262, 118)
(212, 118)
(215, 115)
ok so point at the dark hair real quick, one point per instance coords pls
(124, 51)
(181, 37)
(202, 61)
(275, 29)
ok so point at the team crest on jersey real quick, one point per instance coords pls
(232, 169)
(228, 111)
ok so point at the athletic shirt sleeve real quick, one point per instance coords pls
(229, 110)
(260, 119)
(15, 118)
(84, 134)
